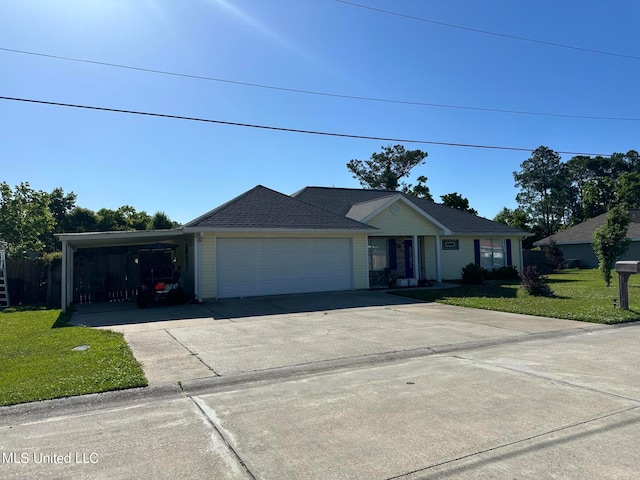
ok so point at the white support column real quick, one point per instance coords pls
(438, 265)
(521, 261)
(196, 266)
(416, 258)
(66, 289)
(70, 257)
(63, 289)
(368, 263)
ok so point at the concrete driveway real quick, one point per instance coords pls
(396, 390)
(220, 338)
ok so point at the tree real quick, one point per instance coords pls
(160, 221)
(420, 190)
(610, 240)
(555, 255)
(627, 190)
(517, 218)
(454, 200)
(544, 190)
(384, 170)
(80, 220)
(25, 219)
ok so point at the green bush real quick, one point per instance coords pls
(473, 274)
(534, 283)
(503, 273)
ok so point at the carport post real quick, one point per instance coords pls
(196, 264)
(66, 290)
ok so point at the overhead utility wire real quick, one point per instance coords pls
(311, 92)
(487, 32)
(284, 129)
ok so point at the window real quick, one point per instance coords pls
(378, 254)
(492, 254)
(450, 244)
(186, 256)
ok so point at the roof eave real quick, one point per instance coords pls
(368, 229)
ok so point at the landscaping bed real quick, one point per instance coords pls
(577, 295)
(38, 360)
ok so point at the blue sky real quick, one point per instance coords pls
(186, 168)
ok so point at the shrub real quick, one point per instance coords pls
(534, 283)
(554, 255)
(473, 274)
(503, 273)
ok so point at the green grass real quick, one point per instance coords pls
(578, 295)
(37, 360)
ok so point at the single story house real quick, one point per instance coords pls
(576, 242)
(318, 239)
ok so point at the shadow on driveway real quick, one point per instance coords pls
(125, 313)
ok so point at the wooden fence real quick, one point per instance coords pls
(33, 282)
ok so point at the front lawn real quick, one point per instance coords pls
(578, 295)
(37, 360)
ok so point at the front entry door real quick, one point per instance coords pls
(408, 258)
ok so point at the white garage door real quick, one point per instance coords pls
(271, 266)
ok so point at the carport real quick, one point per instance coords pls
(120, 252)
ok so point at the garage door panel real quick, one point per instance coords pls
(270, 266)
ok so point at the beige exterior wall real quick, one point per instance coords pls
(208, 256)
(454, 260)
(208, 266)
(360, 268)
(405, 222)
(429, 255)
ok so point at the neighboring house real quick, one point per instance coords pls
(576, 242)
(318, 239)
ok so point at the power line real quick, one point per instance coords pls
(324, 94)
(284, 129)
(495, 34)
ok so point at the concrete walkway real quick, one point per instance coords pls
(396, 391)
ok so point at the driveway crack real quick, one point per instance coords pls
(191, 352)
(204, 410)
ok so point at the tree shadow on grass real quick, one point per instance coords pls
(486, 291)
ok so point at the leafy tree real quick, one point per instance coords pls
(516, 218)
(80, 220)
(25, 219)
(384, 170)
(160, 220)
(627, 190)
(595, 182)
(544, 190)
(60, 206)
(454, 200)
(610, 240)
(134, 220)
(420, 189)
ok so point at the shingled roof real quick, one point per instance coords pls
(583, 232)
(341, 200)
(263, 208)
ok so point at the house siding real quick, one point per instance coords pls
(429, 255)
(584, 252)
(359, 255)
(208, 266)
(406, 222)
(454, 260)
